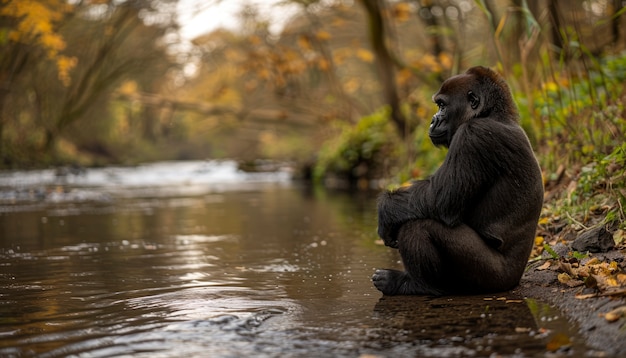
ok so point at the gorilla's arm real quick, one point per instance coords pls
(395, 209)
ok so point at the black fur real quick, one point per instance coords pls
(470, 227)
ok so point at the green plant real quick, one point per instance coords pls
(599, 189)
(365, 150)
(579, 116)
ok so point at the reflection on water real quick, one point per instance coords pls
(164, 179)
(269, 269)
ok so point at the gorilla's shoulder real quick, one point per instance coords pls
(500, 138)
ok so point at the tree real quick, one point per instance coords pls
(385, 63)
(29, 34)
(103, 43)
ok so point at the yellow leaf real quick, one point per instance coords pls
(128, 87)
(563, 277)
(341, 54)
(322, 35)
(615, 314)
(538, 241)
(593, 261)
(365, 55)
(323, 64)
(304, 43)
(551, 87)
(404, 75)
(588, 148)
(558, 341)
(34, 23)
(611, 281)
(351, 85)
(402, 12)
(446, 60)
(263, 73)
(429, 62)
(64, 66)
(421, 112)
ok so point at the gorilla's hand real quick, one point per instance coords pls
(393, 211)
(390, 239)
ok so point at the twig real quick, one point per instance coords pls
(576, 221)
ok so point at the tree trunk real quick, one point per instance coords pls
(617, 7)
(3, 159)
(555, 28)
(384, 63)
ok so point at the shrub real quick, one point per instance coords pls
(365, 151)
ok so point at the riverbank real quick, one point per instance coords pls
(583, 306)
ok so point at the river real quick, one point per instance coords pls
(200, 259)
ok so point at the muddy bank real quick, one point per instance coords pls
(608, 338)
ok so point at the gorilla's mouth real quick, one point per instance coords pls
(437, 136)
(393, 244)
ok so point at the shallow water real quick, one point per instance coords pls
(198, 259)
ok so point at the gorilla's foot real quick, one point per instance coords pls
(389, 282)
(394, 282)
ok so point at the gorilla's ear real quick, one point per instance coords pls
(473, 99)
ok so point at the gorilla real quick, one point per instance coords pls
(470, 227)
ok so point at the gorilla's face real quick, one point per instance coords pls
(457, 103)
(440, 124)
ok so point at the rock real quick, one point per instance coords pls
(598, 239)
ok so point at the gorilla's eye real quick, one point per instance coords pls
(441, 105)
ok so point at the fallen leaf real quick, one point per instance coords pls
(538, 241)
(322, 35)
(583, 272)
(567, 268)
(544, 266)
(575, 283)
(584, 297)
(621, 292)
(563, 278)
(558, 341)
(615, 314)
(612, 282)
(593, 261)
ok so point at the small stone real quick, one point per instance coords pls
(595, 240)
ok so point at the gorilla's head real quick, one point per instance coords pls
(478, 93)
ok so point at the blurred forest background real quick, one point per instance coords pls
(343, 90)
